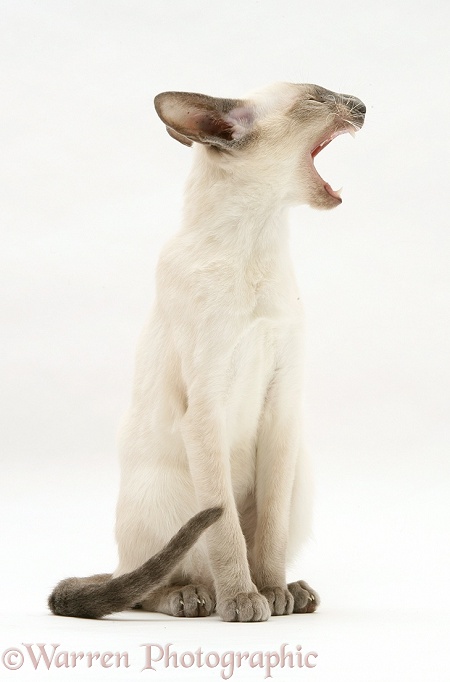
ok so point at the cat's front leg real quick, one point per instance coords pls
(205, 439)
(278, 448)
(275, 465)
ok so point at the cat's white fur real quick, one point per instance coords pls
(215, 414)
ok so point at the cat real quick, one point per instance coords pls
(215, 416)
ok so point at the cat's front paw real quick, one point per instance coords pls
(280, 600)
(306, 600)
(246, 607)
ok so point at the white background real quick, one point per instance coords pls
(91, 187)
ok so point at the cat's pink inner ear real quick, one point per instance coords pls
(241, 120)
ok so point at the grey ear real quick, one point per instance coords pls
(191, 117)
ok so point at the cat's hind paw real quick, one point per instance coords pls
(190, 601)
(306, 600)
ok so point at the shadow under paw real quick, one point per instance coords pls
(306, 600)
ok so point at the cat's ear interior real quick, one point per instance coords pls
(191, 117)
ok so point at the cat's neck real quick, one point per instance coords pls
(229, 216)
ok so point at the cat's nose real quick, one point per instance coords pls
(356, 109)
(354, 104)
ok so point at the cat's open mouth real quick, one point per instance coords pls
(336, 194)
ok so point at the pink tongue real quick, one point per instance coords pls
(331, 191)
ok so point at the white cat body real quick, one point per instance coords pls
(215, 414)
(228, 351)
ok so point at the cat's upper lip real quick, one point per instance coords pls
(329, 138)
(319, 146)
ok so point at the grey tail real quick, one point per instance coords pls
(100, 595)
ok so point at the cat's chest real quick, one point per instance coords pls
(268, 344)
